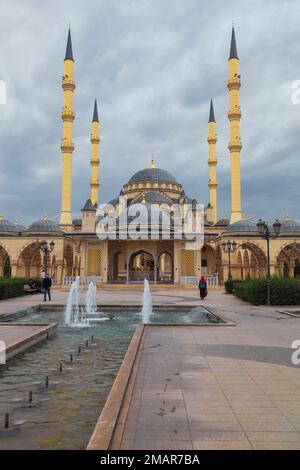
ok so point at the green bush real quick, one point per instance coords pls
(284, 291)
(14, 287)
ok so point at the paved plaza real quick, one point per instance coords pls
(216, 387)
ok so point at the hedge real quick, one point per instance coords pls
(284, 291)
(14, 287)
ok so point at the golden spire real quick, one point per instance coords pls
(152, 163)
(45, 217)
(17, 221)
(1, 217)
(143, 198)
(286, 217)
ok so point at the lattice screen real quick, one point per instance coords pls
(94, 262)
(187, 263)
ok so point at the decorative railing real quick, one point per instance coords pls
(84, 281)
(193, 281)
(137, 276)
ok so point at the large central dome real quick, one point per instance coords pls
(153, 174)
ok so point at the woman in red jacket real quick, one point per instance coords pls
(202, 288)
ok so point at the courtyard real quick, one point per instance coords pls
(224, 386)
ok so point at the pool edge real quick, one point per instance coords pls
(107, 421)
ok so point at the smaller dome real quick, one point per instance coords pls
(153, 197)
(44, 225)
(290, 226)
(241, 226)
(9, 227)
(222, 222)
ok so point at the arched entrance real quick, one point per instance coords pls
(5, 266)
(141, 266)
(165, 268)
(287, 262)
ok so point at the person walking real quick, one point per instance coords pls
(202, 288)
(47, 283)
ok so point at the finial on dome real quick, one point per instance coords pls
(152, 163)
(17, 221)
(45, 217)
(1, 217)
(286, 217)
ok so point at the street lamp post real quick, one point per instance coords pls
(45, 249)
(229, 247)
(268, 234)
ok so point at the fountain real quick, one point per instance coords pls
(72, 307)
(90, 299)
(75, 315)
(147, 303)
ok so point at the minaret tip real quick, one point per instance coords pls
(152, 163)
(233, 49)
(95, 115)
(211, 112)
(69, 50)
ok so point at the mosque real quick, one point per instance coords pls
(75, 249)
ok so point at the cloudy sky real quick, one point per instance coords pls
(153, 65)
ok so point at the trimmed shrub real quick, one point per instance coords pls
(284, 291)
(14, 287)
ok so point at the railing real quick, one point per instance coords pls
(136, 276)
(193, 281)
(85, 280)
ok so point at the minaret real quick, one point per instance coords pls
(67, 146)
(235, 144)
(212, 163)
(95, 140)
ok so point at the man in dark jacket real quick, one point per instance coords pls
(47, 283)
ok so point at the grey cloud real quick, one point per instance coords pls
(153, 66)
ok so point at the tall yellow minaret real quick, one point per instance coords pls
(212, 163)
(235, 144)
(95, 140)
(67, 146)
